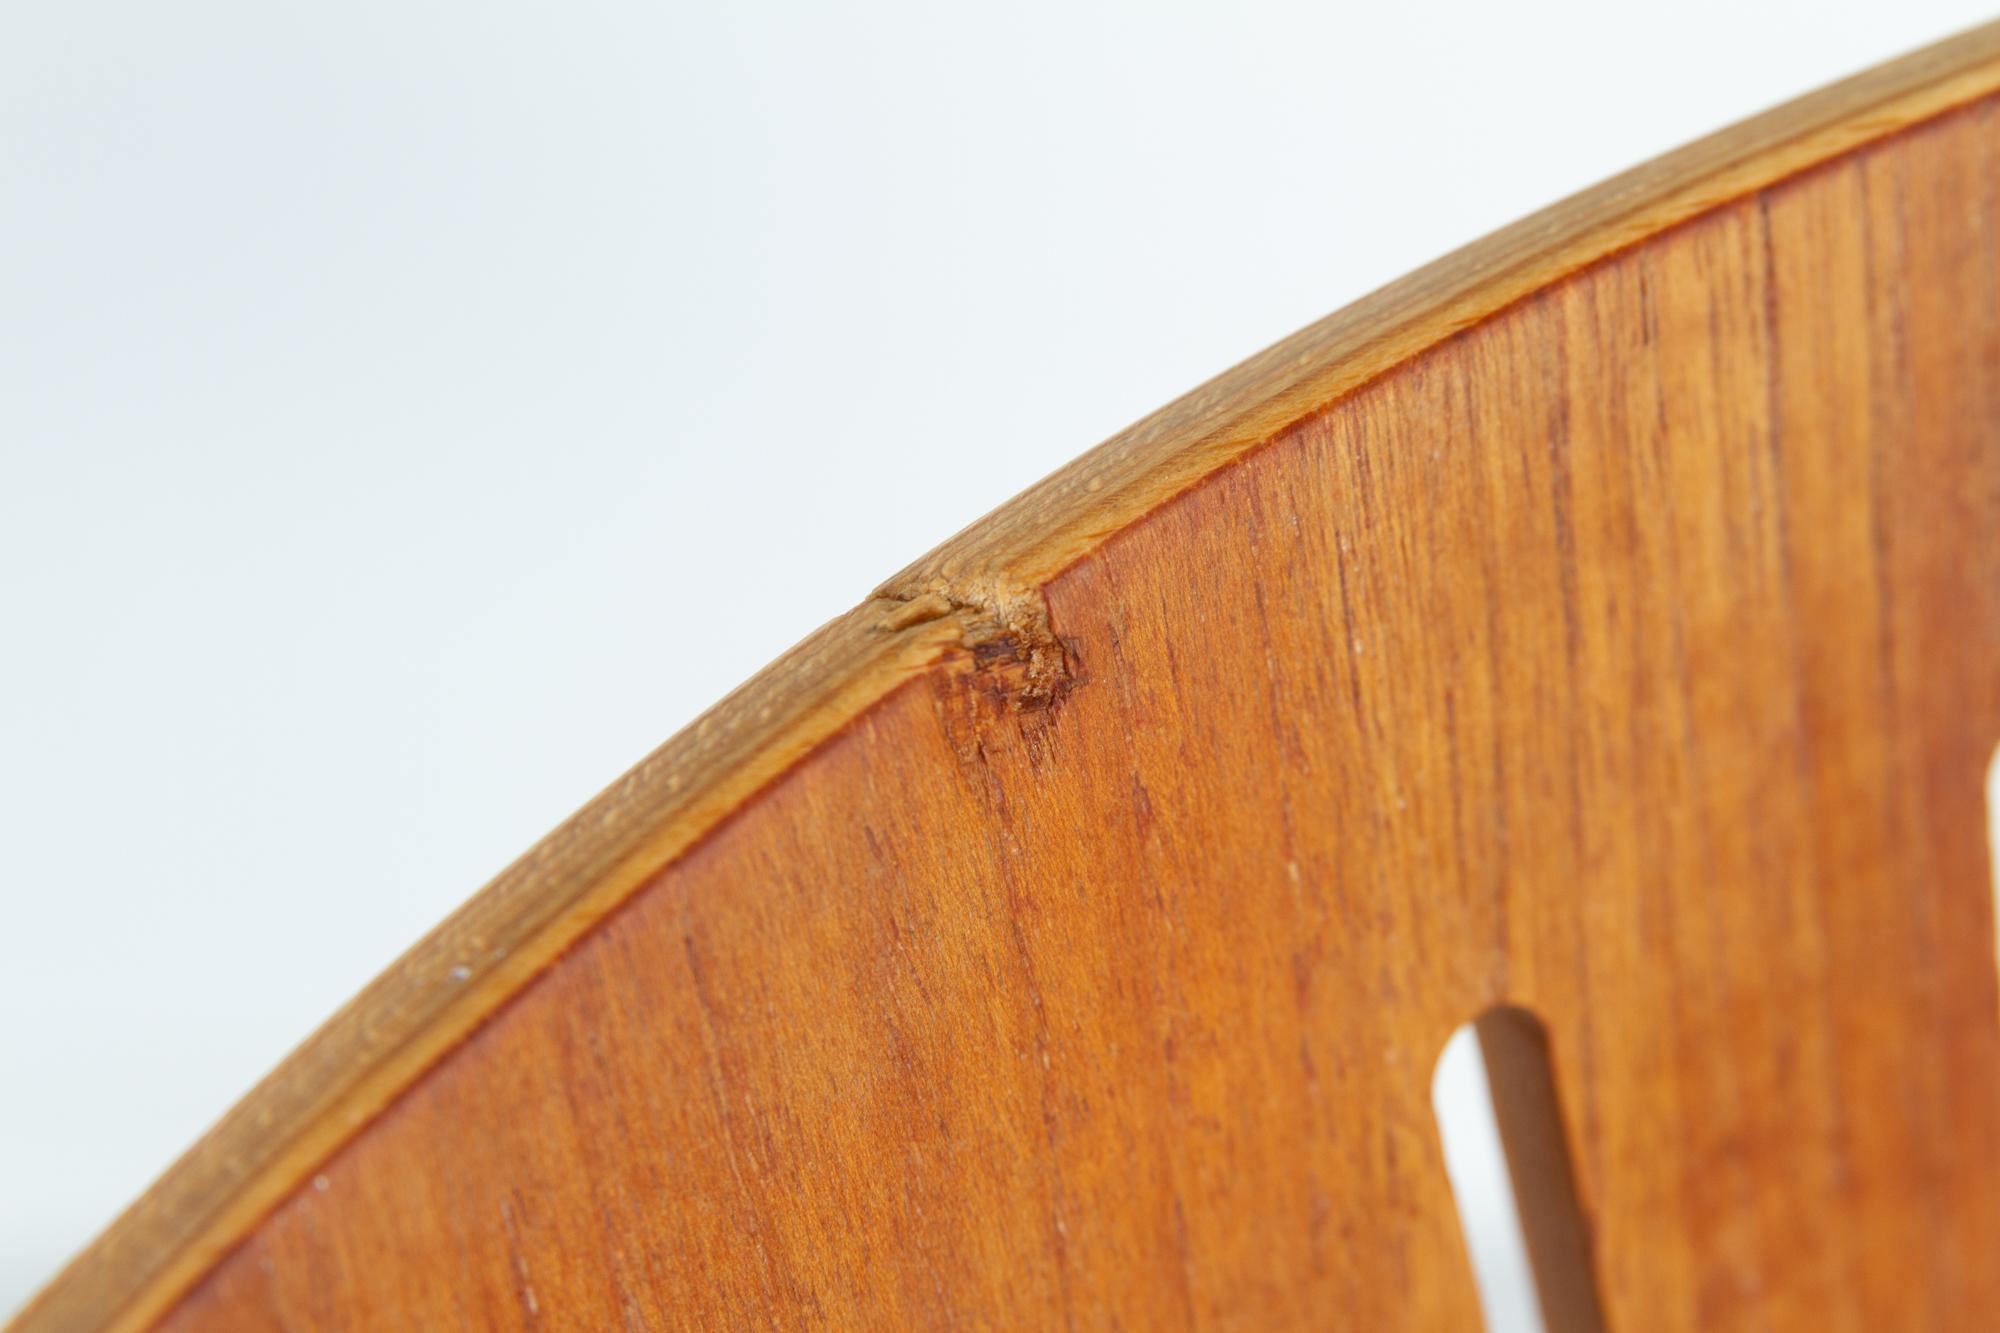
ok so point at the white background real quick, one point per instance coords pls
(411, 413)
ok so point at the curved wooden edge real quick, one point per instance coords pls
(981, 587)
(472, 963)
(1001, 561)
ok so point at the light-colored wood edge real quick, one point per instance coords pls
(984, 583)
(466, 968)
(1001, 561)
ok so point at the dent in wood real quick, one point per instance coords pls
(1016, 657)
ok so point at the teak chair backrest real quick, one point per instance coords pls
(1597, 631)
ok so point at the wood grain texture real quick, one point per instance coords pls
(1065, 937)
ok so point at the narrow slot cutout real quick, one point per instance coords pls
(1506, 1155)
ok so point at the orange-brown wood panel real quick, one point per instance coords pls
(980, 603)
(1632, 657)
